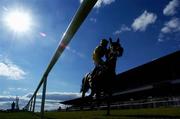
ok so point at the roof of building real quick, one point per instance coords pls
(160, 77)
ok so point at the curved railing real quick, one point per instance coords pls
(74, 25)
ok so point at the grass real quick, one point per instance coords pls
(118, 114)
(158, 113)
(17, 115)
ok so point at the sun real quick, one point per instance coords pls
(18, 21)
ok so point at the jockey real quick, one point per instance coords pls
(99, 52)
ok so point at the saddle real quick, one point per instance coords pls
(99, 71)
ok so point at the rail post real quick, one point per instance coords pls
(31, 105)
(43, 97)
(34, 103)
(79, 17)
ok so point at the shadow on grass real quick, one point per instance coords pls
(39, 115)
(148, 116)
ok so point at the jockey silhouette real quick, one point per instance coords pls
(99, 52)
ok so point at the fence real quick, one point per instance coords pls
(74, 25)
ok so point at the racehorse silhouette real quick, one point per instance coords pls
(101, 84)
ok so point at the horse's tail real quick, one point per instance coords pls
(83, 85)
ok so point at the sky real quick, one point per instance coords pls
(147, 30)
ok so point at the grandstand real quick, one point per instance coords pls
(153, 84)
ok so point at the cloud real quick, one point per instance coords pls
(122, 29)
(142, 22)
(57, 95)
(11, 71)
(18, 89)
(171, 8)
(81, 55)
(7, 98)
(171, 26)
(62, 96)
(5, 101)
(52, 100)
(5, 92)
(101, 2)
(93, 20)
(5, 8)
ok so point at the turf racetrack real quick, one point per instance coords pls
(158, 113)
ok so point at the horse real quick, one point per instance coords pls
(102, 83)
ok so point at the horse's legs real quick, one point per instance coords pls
(108, 103)
(83, 93)
(98, 98)
(91, 94)
(83, 90)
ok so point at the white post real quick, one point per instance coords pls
(78, 19)
(30, 105)
(34, 103)
(76, 22)
(43, 98)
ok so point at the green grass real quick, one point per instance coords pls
(17, 115)
(118, 114)
(157, 113)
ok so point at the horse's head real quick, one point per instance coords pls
(115, 49)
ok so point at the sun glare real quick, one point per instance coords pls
(18, 21)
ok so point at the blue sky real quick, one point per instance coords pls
(147, 29)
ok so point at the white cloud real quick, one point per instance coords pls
(81, 55)
(123, 28)
(142, 22)
(101, 2)
(171, 8)
(57, 95)
(171, 26)
(7, 98)
(93, 20)
(10, 70)
(5, 8)
(62, 95)
(5, 92)
(18, 89)
(52, 100)
(6, 101)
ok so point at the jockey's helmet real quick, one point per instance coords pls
(104, 42)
